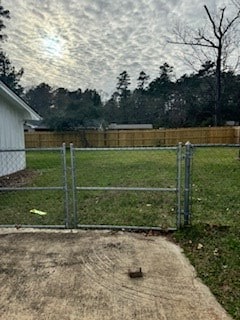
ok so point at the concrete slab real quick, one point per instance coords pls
(85, 275)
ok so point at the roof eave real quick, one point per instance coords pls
(30, 113)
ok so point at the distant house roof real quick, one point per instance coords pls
(134, 126)
(35, 125)
(6, 92)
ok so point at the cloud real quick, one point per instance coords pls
(99, 39)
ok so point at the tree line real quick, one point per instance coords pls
(166, 101)
(187, 101)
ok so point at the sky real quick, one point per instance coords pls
(88, 43)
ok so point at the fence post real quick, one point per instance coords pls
(179, 174)
(66, 203)
(187, 183)
(73, 171)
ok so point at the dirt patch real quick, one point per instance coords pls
(18, 179)
(85, 275)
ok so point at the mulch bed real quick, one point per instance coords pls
(17, 179)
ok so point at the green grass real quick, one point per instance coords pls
(126, 169)
(217, 262)
(97, 169)
(216, 185)
(44, 169)
(215, 204)
(216, 224)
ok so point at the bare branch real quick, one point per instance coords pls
(220, 39)
(192, 44)
(221, 21)
(236, 3)
(212, 21)
(202, 37)
(231, 22)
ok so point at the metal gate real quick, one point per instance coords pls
(130, 188)
(118, 188)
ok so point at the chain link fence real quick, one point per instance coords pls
(120, 187)
(33, 187)
(12, 161)
(91, 187)
(215, 184)
(126, 187)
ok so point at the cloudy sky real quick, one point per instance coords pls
(87, 43)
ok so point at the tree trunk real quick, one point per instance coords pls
(217, 115)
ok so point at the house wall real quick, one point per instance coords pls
(11, 137)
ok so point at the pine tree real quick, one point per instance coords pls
(5, 14)
(8, 73)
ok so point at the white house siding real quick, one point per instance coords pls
(11, 137)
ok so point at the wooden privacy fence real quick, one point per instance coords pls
(134, 138)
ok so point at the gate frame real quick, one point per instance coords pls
(187, 183)
(64, 188)
(183, 193)
(177, 189)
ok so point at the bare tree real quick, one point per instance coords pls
(236, 3)
(218, 38)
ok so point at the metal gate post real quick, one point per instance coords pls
(73, 171)
(187, 183)
(66, 204)
(179, 174)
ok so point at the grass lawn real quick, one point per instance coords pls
(215, 253)
(44, 169)
(148, 169)
(212, 243)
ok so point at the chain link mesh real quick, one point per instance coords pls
(12, 161)
(216, 185)
(32, 180)
(129, 169)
